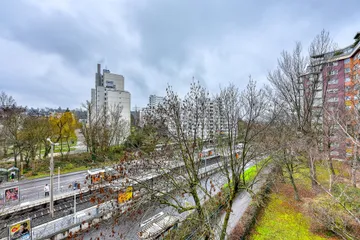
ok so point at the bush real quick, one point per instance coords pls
(329, 215)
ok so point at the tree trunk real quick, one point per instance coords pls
(296, 193)
(227, 216)
(40, 151)
(313, 175)
(61, 148)
(331, 171)
(353, 167)
(279, 173)
(200, 212)
(15, 158)
(5, 148)
(68, 145)
(47, 150)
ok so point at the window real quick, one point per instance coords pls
(334, 99)
(333, 81)
(347, 70)
(347, 97)
(348, 107)
(334, 145)
(347, 88)
(356, 76)
(346, 61)
(356, 67)
(335, 90)
(347, 79)
(334, 153)
(355, 97)
(334, 72)
(335, 63)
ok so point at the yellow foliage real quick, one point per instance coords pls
(63, 126)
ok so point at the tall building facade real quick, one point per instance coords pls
(155, 100)
(337, 92)
(109, 94)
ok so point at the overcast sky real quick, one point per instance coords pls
(49, 49)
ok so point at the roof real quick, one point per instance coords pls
(152, 227)
(209, 149)
(357, 35)
(13, 168)
(340, 54)
(95, 171)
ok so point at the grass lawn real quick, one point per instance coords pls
(42, 174)
(64, 146)
(281, 220)
(71, 163)
(285, 218)
(252, 171)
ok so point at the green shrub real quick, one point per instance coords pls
(329, 215)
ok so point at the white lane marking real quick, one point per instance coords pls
(62, 183)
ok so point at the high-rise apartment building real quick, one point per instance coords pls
(155, 100)
(109, 94)
(336, 94)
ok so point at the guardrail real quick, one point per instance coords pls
(39, 198)
(82, 220)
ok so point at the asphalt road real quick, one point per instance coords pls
(127, 227)
(31, 190)
(34, 189)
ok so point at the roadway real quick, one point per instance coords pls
(34, 189)
(39, 214)
(127, 226)
(31, 190)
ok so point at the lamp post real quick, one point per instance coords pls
(58, 179)
(75, 205)
(51, 178)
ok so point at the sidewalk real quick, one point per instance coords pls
(241, 203)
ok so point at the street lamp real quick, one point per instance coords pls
(51, 178)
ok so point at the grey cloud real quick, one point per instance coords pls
(215, 41)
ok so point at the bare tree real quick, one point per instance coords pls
(105, 128)
(6, 102)
(299, 84)
(187, 129)
(243, 119)
(287, 149)
(12, 121)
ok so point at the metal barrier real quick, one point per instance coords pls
(106, 209)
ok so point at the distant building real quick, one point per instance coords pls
(109, 94)
(337, 75)
(155, 100)
(135, 118)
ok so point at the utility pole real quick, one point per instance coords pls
(75, 206)
(51, 178)
(58, 179)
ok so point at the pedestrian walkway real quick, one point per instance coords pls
(241, 203)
